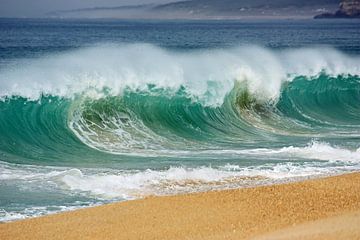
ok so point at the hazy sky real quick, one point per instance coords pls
(36, 8)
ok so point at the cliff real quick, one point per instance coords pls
(247, 8)
(208, 9)
(347, 9)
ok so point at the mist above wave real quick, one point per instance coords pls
(206, 74)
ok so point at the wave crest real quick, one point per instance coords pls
(208, 75)
(143, 100)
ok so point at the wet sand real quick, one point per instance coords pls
(327, 208)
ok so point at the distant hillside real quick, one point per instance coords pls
(347, 9)
(246, 8)
(209, 9)
(132, 11)
(233, 5)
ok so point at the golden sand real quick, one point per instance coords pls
(340, 227)
(326, 208)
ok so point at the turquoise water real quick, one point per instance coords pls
(94, 117)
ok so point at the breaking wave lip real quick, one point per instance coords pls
(208, 74)
(207, 78)
(128, 127)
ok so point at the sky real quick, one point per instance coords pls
(37, 8)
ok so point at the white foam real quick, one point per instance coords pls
(112, 184)
(129, 185)
(36, 211)
(10, 216)
(314, 150)
(208, 75)
(109, 184)
(270, 165)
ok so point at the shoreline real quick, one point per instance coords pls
(246, 213)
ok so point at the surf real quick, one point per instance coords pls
(127, 103)
(117, 122)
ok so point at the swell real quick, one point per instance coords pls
(162, 122)
(37, 131)
(158, 120)
(65, 108)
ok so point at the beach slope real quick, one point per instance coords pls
(327, 208)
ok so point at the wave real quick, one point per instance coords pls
(156, 123)
(314, 150)
(83, 187)
(113, 184)
(208, 75)
(140, 100)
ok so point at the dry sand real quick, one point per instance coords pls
(326, 208)
(340, 227)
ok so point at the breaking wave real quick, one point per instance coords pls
(143, 100)
(117, 122)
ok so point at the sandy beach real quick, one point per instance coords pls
(327, 208)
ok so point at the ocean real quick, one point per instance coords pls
(97, 111)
